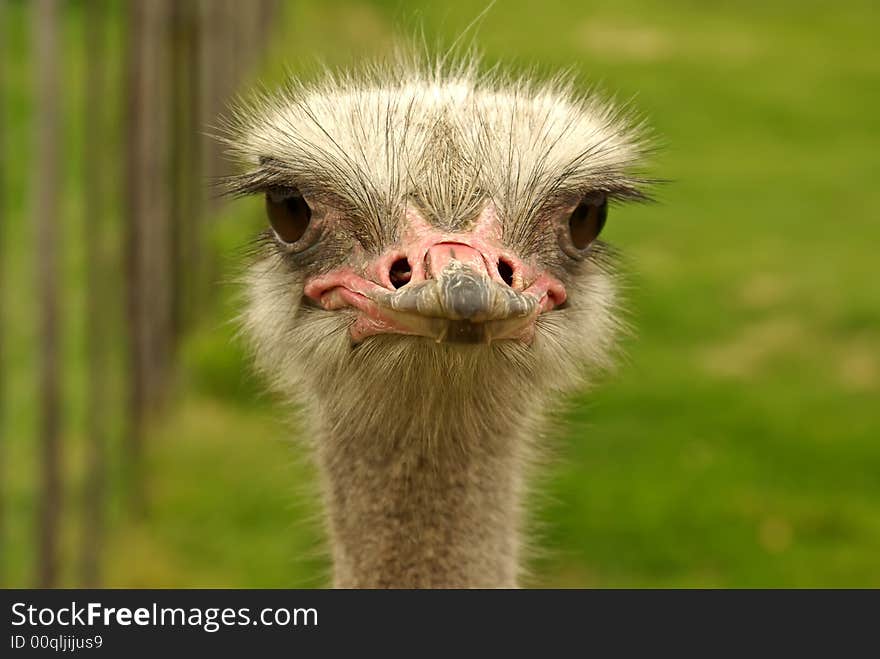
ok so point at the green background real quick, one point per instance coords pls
(738, 443)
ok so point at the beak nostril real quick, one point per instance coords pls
(400, 273)
(506, 271)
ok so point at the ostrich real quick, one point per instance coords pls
(430, 283)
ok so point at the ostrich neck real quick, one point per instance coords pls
(423, 510)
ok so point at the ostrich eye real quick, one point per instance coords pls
(587, 220)
(289, 214)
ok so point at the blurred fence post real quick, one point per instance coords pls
(3, 493)
(186, 174)
(214, 50)
(48, 225)
(97, 271)
(148, 237)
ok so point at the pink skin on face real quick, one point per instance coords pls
(428, 252)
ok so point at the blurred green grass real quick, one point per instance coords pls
(738, 444)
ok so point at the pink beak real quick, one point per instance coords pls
(458, 288)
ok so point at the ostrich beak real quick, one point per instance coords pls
(452, 296)
(461, 305)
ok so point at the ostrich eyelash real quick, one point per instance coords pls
(262, 181)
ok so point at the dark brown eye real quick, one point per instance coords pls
(289, 214)
(587, 220)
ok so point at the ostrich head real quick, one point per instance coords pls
(430, 281)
